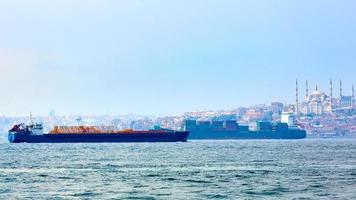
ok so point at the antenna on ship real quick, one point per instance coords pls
(31, 119)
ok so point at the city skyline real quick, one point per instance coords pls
(302, 93)
(163, 58)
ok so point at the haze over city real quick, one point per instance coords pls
(159, 57)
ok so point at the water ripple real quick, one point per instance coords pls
(303, 169)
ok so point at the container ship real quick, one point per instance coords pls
(33, 133)
(230, 129)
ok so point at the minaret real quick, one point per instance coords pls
(296, 98)
(306, 91)
(331, 88)
(353, 96)
(331, 93)
(340, 89)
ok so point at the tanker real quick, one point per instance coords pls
(33, 133)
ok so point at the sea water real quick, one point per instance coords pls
(251, 169)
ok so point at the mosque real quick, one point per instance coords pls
(318, 102)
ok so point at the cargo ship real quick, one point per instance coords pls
(230, 129)
(33, 133)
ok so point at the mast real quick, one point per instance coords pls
(31, 119)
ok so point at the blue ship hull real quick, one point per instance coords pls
(206, 135)
(91, 138)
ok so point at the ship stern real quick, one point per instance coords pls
(11, 137)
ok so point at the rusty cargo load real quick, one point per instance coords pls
(98, 130)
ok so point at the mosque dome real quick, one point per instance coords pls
(317, 95)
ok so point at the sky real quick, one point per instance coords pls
(158, 57)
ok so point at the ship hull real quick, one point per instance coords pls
(98, 138)
(252, 135)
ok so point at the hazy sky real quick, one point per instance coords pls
(166, 57)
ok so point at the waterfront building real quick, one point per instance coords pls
(277, 108)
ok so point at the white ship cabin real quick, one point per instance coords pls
(36, 129)
(289, 118)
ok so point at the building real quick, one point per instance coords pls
(277, 108)
(252, 115)
(318, 102)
